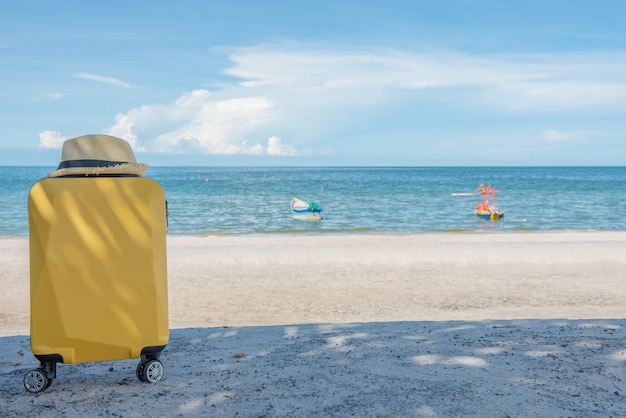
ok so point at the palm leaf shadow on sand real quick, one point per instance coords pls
(430, 369)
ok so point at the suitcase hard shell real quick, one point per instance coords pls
(98, 273)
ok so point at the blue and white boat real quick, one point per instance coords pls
(305, 211)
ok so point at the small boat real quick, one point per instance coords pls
(487, 208)
(305, 211)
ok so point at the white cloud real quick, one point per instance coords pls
(51, 139)
(50, 96)
(106, 80)
(553, 135)
(558, 96)
(275, 147)
(516, 82)
(307, 94)
(123, 128)
(198, 121)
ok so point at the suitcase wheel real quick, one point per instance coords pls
(37, 380)
(150, 371)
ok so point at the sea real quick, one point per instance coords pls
(363, 200)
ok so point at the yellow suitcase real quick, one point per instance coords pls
(98, 274)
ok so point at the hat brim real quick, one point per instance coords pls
(127, 169)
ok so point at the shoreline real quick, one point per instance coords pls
(331, 233)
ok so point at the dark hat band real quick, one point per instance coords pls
(88, 163)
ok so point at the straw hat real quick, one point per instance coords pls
(98, 155)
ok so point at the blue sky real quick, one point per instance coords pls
(398, 83)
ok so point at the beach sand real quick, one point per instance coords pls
(465, 324)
